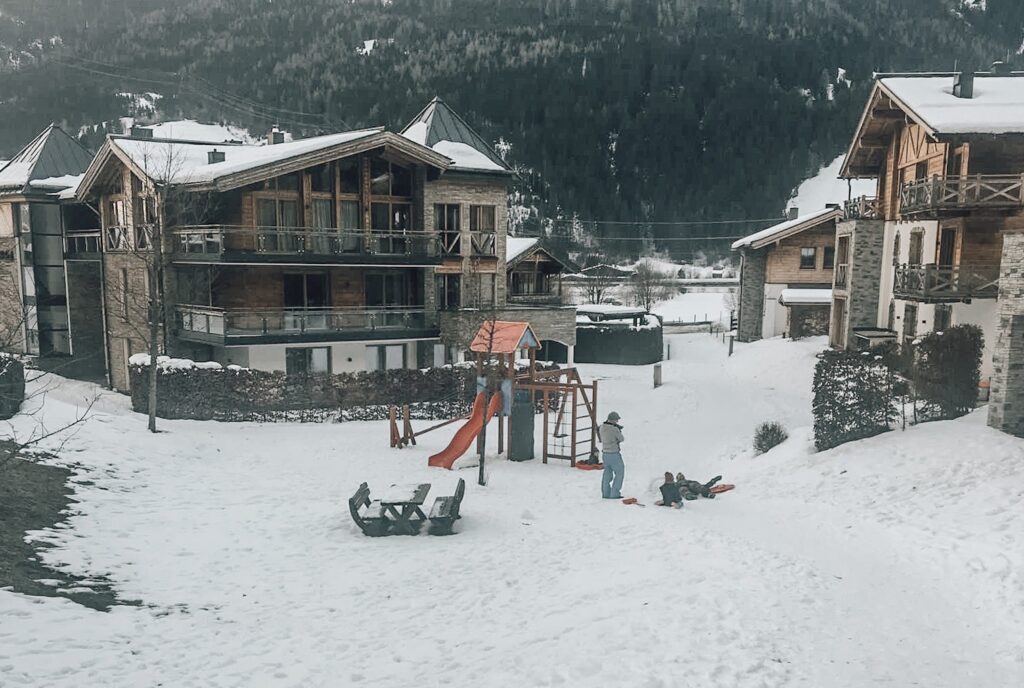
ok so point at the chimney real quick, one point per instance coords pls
(214, 156)
(1000, 68)
(275, 136)
(832, 206)
(963, 85)
(792, 213)
(138, 132)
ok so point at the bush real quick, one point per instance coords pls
(768, 436)
(853, 396)
(12, 386)
(946, 371)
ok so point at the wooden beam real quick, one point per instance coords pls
(872, 142)
(889, 115)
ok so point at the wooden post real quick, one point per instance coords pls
(545, 449)
(393, 422)
(593, 421)
(409, 437)
(501, 434)
(657, 375)
(572, 435)
(731, 339)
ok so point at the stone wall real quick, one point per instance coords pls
(12, 313)
(1006, 401)
(552, 324)
(751, 300)
(865, 273)
(246, 394)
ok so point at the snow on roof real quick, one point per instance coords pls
(787, 228)
(996, 108)
(517, 246)
(15, 174)
(187, 163)
(52, 153)
(805, 297)
(826, 187)
(191, 130)
(609, 309)
(464, 156)
(57, 183)
(417, 132)
(440, 128)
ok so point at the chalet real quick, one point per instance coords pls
(941, 241)
(785, 277)
(534, 273)
(358, 250)
(49, 297)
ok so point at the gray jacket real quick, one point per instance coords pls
(611, 437)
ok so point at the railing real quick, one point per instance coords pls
(83, 244)
(842, 275)
(451, 243)
(863, 208)
(118, 238)
(550, 296)
(935, 283)
(962, 193)
(206, 323)
(484, 243)
(214, 241)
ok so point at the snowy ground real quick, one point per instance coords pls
(893, 561)
(695, 306)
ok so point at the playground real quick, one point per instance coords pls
(835, 570)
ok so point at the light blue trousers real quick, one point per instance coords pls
(611, 479)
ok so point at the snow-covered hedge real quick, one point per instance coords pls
(947, 370)
(12, 385)
(853, 397)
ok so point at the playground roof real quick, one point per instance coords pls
(504, 337)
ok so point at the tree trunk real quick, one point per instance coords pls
(155, 315)
(481, 441)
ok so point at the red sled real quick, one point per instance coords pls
(590, 466)
(722, 487)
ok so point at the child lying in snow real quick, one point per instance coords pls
(691, 489)
(670, 495)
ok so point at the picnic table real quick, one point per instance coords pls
(401, 505)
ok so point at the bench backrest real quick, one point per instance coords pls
(361, 498)
(460, 491)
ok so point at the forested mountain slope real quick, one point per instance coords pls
(652, 110)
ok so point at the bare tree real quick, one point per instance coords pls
(649, 285)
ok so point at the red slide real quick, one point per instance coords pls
(467, 433)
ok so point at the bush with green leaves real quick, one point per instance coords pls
(947, 369)
(853, 396)
(769, 435)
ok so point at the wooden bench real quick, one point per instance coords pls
(369, 516)
(445, 511)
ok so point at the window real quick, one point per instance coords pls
(7, 220)
(896, 249)
(481, 218)
(916, 247)
(391, 217)
(123, 290)
(448, 288)
(276, 212)
(307, 360)
(389, 179)
(828, 259)
(323, 213)
(387, 289)
(892, 315)
(322, 178)
(909, 321)
(447, 225)
(385, 357)
(943, 317)
(808, 258)
(348, 171)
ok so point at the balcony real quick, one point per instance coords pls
(935, 284)
(230, 244)
(862, 208)
(535, 298)
(223, 327)
(83, 245)
(842, 276)
(946, 195)
(484, 244)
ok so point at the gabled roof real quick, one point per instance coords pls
(51, 158)
(504, 337)
(440, 128)
(605, 270)
(787, 229)
(186, 163)
(518, 249)
(995, 109)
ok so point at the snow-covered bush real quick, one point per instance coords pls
(853, 397)
(769, 435)
(946, 372)
(12, 385)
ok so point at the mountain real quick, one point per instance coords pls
(652, 111)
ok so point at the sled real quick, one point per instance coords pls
(721, 487)
(590, 466)
(631, 500)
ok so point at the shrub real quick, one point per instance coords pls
(853, 396)
(12, 386)
(946, 371)
(768, 436)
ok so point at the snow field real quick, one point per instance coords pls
(891, 561)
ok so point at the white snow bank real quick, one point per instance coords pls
(826, 187)
(166, 363)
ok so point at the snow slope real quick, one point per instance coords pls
(826, 187)
(892, 561)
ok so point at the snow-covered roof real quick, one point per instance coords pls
(187, 163)
(440, 128)
(517, 246)
(997, 106)
(787, 229)
(805, 297)
(49, 156)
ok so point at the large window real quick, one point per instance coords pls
(481, 218)
(808, 258)
(448, 290)
(828, 259)
(385, 357)
(389, 179)
(307, 360)
(447, 224)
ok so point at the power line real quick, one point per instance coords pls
(665, 223)
(660, 239)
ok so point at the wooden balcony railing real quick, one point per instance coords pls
(539, 297)
(973, 192)
(842, 276)
(484, 243)
(933, 283)
(83, 245)
(862, 208)
(218, 325)
(214, 242)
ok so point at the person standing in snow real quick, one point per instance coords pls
(611, 437)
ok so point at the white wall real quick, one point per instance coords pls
(346, 357)
(774, 320)
(985, 314)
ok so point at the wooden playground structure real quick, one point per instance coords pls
(568, 405)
